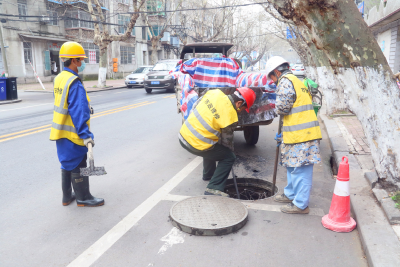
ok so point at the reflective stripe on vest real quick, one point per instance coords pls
(214, 111)
(301, 109)
(300, 124)
(62, 125)
(198, 135)
(299, 127)
(205, 124)
(61, 108)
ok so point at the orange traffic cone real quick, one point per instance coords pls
(339, 219)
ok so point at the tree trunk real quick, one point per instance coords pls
(102, 68)
(353, 73)
(154, 42)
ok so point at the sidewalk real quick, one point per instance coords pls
(379, 238)
(91, 86)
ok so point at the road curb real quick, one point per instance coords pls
(10, 101)
(89, 91)
(380, 242)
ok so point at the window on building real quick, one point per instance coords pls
(155, 6)
(75, 20)
(144, 33)
(92, 52)
(22, 8)
(123, 21)
(156, 30)
(126, 54)
(28, 52)
(53, 17)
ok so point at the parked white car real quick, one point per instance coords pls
(136, 78)
(298, 69)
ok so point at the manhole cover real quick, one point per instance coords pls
(208, 215)
(250, 189)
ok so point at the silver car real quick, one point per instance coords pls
(136, 78)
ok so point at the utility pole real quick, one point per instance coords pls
(3, 50)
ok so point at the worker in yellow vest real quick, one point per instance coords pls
(301, 135)
(201, 132)
(71, 127)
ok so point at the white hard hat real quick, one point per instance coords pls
(273, 63)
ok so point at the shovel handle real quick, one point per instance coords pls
(91, 159)
(276, 157)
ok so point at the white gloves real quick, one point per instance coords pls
(87, 141)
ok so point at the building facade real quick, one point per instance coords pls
(384, 22)
(38, 28)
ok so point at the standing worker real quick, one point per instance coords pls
(201, 132)
(71, 127)
(301, 135)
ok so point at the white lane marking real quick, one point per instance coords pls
(90, 255)
(251, 205)
(26, 107)
(173, 237)
(121, 92)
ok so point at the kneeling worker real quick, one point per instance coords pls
(202, 130)
(70, 128)
(301, 135)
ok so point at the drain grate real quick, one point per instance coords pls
(209, 215)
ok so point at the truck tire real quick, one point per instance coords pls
(251, 134)
(148, 91)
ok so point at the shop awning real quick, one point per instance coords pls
(57, 39)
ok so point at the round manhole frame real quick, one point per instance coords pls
(193, 230)
(239, 181)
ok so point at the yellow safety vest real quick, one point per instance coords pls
(62, 126)
(301, 124)
(202, 129)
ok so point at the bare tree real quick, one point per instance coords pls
(102, 36)
(160, 20)
(352, 71)
(206, 22)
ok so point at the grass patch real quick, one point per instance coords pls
(396, 199)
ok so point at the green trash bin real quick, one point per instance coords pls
(316, 108)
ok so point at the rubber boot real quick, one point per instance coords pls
(68, 195)
(83, 196)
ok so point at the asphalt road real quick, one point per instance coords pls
(136, 141)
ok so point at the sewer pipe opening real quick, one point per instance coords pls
(250, 189)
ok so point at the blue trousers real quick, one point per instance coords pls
(299, 185)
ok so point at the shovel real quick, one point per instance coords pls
(92, 170)
(235, 183)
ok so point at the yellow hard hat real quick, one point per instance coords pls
(72, 50)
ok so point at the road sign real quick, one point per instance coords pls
(289, 34)
(360, 7)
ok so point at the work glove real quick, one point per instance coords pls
(87, 141)
(278, 139)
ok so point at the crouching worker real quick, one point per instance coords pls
(202, 130)
(301, 135)
(70, 127)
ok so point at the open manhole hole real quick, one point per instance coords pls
(250, 189)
